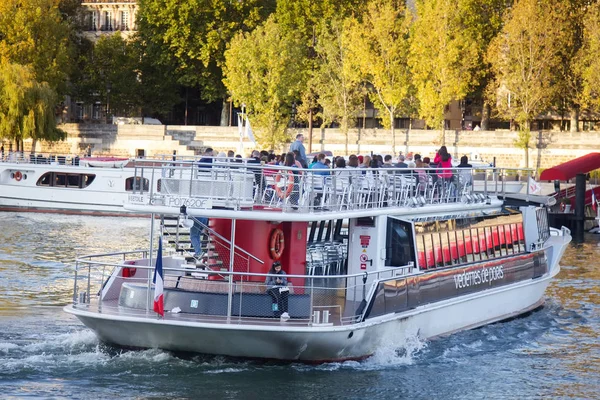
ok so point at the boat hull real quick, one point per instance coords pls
(317, 344)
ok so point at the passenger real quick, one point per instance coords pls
(465, 176)
(207, 158)
(299, 147)
(319, 167)
(277, 288)
(196, 232)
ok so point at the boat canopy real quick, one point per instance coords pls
(568, 170)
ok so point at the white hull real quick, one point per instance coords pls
(313, 344)
(106, 195)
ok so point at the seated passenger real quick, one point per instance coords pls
(277, 288)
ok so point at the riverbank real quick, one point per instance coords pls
(547, 148)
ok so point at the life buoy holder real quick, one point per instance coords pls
(128, 272)
(18, 176)
(285, 190)
(276, 244)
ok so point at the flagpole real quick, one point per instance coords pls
(150, 263)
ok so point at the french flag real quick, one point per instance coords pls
(594, 204)
(159, 304)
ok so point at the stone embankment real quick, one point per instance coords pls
(548, 148)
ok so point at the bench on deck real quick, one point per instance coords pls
(250, 299)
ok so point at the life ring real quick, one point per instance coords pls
(276, 244)
(18, 176)
(281, 193)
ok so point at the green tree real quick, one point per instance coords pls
(302, 19)
(588, 63)
(26, 106)
(441, 58)
(262, 71)
(191, 37)
(571, 17)
(379, 45)
(337, 80)
(34, 33)
(525, 59)
(483, 21)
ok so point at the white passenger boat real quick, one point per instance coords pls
(372, 257)
(92, 185)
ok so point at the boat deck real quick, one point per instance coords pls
(112, 308)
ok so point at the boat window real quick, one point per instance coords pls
(399, 243)
(58, 179)
(73, 180)
(137, 184)
(365, 221)
(458, 241)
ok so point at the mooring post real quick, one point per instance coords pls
(579, 207)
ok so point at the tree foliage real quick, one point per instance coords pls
(26, 106)
(379, 44)
(191, 36)
(525, 58)
(337, 80)
(588, 62)
(442, 57)
(34, 33)
(262, 71)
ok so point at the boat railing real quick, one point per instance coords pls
(229, 295)
(246, 185)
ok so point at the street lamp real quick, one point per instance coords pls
(108, 86)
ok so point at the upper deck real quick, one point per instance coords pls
(255, 191)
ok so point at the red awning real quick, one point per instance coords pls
(568, 170)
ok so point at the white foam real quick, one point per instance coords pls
(225, 371)
(6, 347)
(397, 352)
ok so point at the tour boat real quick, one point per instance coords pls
(372, 257)
(92, 185)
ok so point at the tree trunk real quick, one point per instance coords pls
(33, 144)
(393, 134)
(224, 113)
(310, 130)
(574, 114)
(485, 117)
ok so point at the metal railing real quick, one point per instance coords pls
(244, 185)
(312, 300)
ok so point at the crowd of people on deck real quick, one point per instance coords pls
(440, 167)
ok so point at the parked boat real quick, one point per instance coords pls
(95, 186)
(371, 257)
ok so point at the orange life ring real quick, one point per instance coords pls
(288, 188)
(276, 244)
(18, 176)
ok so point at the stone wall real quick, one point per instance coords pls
(548, 147)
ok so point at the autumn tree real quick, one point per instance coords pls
(191, 37)
(525, 59)
(588, 63)
(302, 19)
(482, 21)
(441, 58)
(262, 71)
(337, 80)
(379, 44)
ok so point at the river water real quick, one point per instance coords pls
(553, 352)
